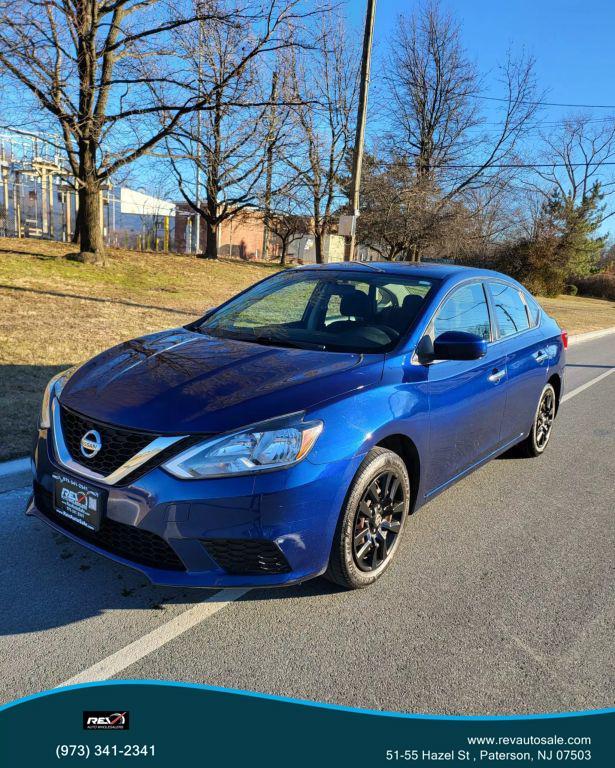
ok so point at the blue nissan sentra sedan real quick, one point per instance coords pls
(289, 432)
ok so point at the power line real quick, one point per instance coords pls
(456, 166)
(548, 103)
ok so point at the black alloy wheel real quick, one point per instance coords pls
(378, 520)
(545, 418)
(538, 438)
(371, 521)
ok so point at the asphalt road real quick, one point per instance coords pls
(501, 599)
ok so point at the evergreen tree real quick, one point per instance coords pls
(577, 225)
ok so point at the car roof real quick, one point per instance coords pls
(427, 269)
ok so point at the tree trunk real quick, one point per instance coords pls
(318, 247)
(92, 250)
(283, 249)
(92, 246)
(77, 227)
(211, 244)
(90, 230)
(211, 223)
(265, 249)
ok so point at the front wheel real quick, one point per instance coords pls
(536, 442)
(371, 522)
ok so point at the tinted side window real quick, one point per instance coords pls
(465, 310)
(510, 310)
(533, 308)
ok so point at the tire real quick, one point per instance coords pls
(536, 442)
(366, 537)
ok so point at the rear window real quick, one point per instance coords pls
(533, 308)
(510, 310)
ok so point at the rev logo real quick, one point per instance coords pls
(74, 497)
(105, 721)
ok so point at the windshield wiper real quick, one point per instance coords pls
(261, 338)
(273, 342)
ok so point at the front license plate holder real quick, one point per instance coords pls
(79, 502)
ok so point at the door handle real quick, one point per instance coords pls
(497, 376)
(541, 356)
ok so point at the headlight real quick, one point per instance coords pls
(256, 449)
(53, 389)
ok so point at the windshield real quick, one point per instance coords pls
(323, 310)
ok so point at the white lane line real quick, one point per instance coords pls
(587, 385)
(120, 660)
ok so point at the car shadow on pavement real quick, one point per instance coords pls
(318, 587)
(48, 581)
(512, 453)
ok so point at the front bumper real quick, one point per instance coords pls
(293, 512)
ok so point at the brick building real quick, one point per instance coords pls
(240, 236)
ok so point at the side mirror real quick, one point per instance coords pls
(459, 345)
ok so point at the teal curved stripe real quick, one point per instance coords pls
(306, 703)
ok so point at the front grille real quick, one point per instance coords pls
(118, 445)
(247, 556)
(136, 544)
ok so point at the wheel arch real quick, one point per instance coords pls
(406, 449)
(555, 380)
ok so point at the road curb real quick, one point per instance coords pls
(14, 467)
(579, 338)
(17, 466)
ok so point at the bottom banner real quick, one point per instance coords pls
(167, 724)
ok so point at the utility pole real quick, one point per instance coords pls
(196, 232)
(357, 156)
(269, 148)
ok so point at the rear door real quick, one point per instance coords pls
(466, 397)
(527, 361)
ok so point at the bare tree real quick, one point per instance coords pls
(389, 221)
(575, 157)
(433, 87)
(403, 216)
(215, 153)
(285, 217)
(438, 128)
(325, 82)
(436, 99)
(107, 72)
(235, 145)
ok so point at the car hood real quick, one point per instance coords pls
(183, 382)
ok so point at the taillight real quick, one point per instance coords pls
(565, 339)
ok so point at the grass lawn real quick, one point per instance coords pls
(579, 314)
(55, 313)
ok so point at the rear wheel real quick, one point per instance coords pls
(536, 442)
(371, 522)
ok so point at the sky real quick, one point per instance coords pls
(572, 41)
